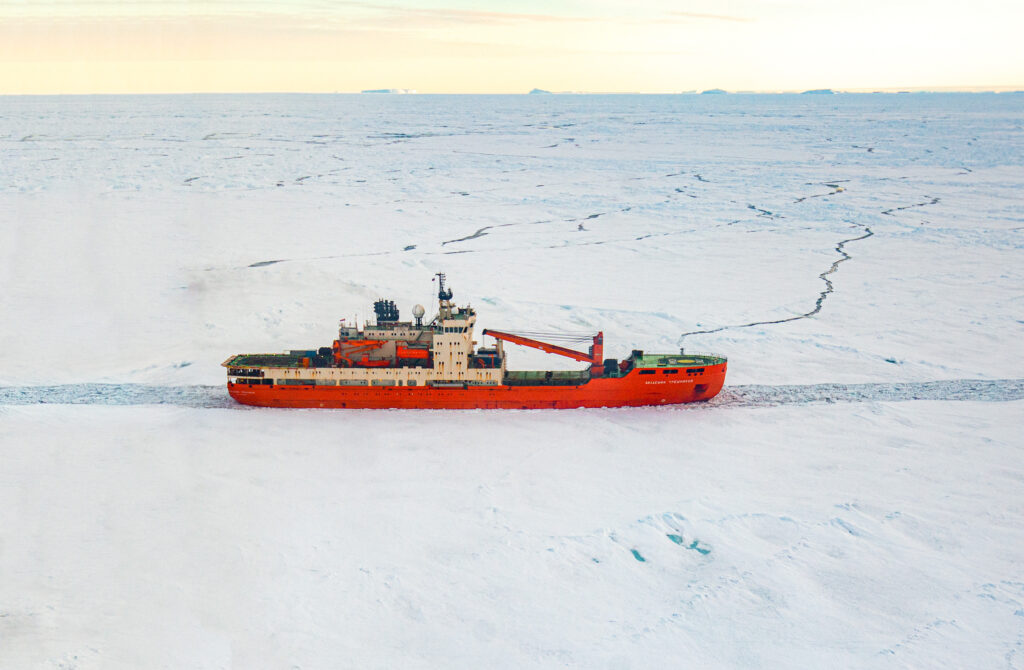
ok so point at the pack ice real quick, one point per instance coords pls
(851, 499)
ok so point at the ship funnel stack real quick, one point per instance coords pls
(386, 311)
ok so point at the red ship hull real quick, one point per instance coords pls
(632, 390)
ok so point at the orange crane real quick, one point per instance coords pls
(594, 356)
(344, 351)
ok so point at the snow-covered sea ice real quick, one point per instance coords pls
(851, 499)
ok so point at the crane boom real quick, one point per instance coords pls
(593, 356)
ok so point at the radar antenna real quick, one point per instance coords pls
(444, 298)
(442, 294)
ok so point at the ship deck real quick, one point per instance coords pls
(294, 359)
(546, 377)
(289, 360)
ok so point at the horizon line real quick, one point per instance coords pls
(413, 92)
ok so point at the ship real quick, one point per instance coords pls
(436, 365)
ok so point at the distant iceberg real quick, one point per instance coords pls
(819, 91)
(713, 91)
(389, 90)
(539, 90)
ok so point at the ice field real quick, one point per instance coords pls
(853, 497)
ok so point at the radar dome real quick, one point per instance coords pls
(418, 311)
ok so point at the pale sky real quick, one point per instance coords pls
(507, 46)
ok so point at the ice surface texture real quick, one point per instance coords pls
(141, 234)
(846, 501)
(882, 535)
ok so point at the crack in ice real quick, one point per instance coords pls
(931, 201)
(829, 288)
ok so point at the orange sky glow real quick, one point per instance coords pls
(653, 46)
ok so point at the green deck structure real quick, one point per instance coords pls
(677, 360)
(290, 360)
(546, 377)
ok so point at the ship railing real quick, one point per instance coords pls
(702, 354)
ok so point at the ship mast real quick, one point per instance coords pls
(444, 298)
